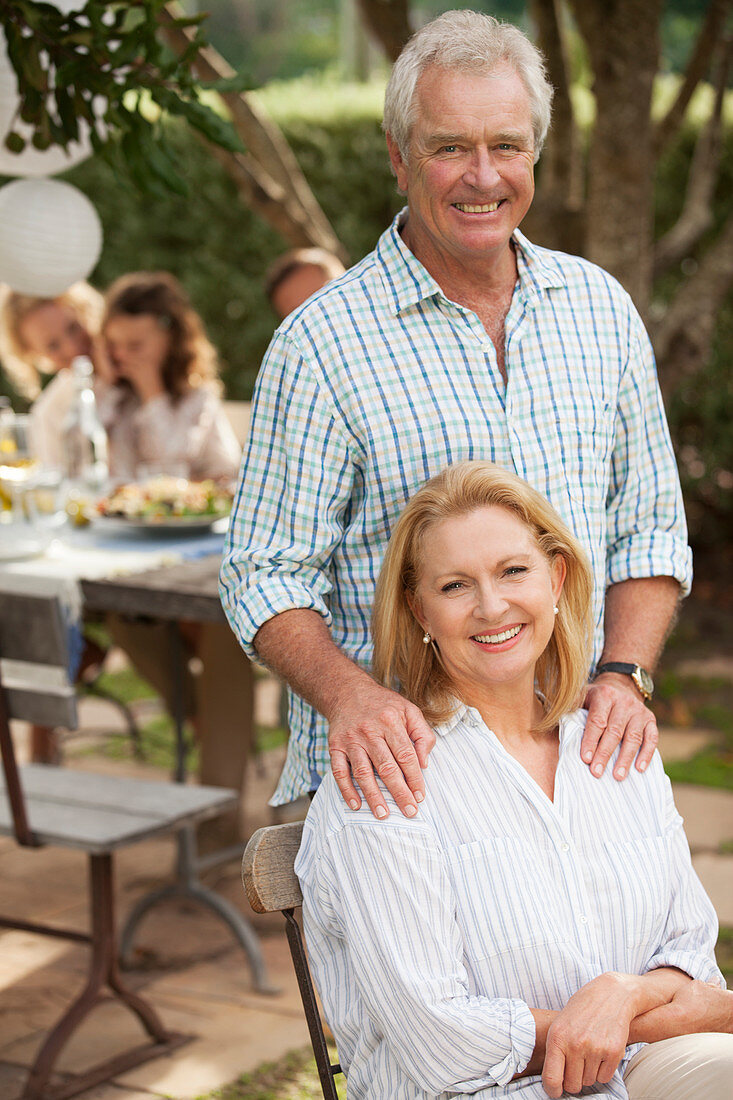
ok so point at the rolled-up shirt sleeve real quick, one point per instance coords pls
(295, 484)
(691, 929)
(384, 889)
(647, 532)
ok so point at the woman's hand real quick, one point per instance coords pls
(588, 1038)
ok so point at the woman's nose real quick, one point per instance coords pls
(490, 603)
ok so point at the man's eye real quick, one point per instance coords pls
(450, 148)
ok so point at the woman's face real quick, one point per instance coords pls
(54, 333)
(486, 594)
(138, 347)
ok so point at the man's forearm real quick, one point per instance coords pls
(298, 646)
(639, 615)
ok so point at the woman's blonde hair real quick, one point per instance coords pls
(191, 359)
(23, 368)
(402, 660)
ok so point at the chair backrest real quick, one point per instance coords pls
(238, 414)
(34, 681)
(271, 885)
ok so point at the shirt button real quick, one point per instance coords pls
(564, 847)
(583, 920)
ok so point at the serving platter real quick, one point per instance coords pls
(156, 525)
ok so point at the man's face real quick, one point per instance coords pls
(469, 177)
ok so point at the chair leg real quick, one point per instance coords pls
(103, 971)
(326, 1071)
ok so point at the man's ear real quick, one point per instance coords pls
(398, 164)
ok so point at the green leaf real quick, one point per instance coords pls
(30, 63)
(67, 114)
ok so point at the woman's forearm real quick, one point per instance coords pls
(695, 1007)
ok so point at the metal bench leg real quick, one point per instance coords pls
(187, 885)
(103, 971)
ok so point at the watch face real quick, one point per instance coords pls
(643, 681)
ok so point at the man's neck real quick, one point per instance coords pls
(486, 287)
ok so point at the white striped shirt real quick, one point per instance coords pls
(380, 381)
(429, 938)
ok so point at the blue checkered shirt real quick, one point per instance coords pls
(379, 381)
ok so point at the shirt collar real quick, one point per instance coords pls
(571, 725)
(407, 282)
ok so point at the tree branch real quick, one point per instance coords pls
(682, 339)
(696, 214)
(697, 66)
(268, 150)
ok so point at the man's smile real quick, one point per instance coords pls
(471, 208)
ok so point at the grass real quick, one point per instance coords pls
(157, 735)
(294, 1077)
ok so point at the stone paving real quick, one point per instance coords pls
(186, 961)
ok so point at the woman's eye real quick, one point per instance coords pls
(515, 570)
(452, 586)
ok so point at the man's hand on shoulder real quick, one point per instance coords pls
(375, 730)
(617, 715)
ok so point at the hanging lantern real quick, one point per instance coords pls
(32, 161)
(50, 236)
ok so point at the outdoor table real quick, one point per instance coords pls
(172, 579)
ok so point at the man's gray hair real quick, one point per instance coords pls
(465, 40)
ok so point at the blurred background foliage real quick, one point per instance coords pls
(290, 49)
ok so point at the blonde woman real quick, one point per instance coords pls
(42, 336)
(532, 931)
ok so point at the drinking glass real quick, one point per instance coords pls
(19, 535)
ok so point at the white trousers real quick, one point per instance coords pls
(688, 1067)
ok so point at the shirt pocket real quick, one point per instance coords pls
(502, 893)
(629, 884)
(586, 449)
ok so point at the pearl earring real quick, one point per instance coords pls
(556, 609)
(426, 638)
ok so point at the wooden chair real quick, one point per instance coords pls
(97, 814)
(271, 886)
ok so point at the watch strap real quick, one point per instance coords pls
(617, 666)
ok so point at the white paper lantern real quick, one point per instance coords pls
(50, 236)
(32, 162)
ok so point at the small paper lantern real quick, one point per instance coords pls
(50, 236)
(32, 162)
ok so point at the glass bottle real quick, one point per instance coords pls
(85, 441)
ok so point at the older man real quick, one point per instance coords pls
(456, 338)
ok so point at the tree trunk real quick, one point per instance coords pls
(389, 22)
(556, 218)
(622, 41)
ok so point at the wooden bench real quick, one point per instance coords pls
(46, 805)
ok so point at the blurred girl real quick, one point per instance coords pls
(163, 413)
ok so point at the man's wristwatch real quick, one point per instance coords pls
(639, 675)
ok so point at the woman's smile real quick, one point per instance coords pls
(501, 639)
